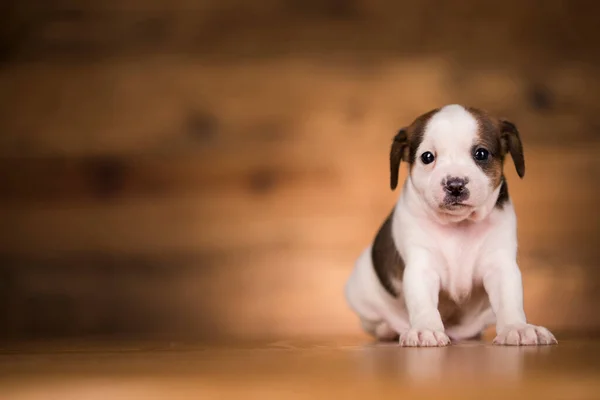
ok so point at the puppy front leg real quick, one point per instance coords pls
(421, 287)
(505, 289)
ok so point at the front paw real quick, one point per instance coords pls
(525, 335)
(424, 338)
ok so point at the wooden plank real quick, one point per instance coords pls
(95, 180)
(164, 105)
(245, 294)
(94, 294)
(71, 29)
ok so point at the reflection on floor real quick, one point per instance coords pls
(352, 368)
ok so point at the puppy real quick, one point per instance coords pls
(443, 265)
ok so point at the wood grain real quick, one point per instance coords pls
(214, 169)
(159, 105)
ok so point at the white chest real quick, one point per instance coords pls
(457, 252)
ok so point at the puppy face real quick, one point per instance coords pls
(456, 155)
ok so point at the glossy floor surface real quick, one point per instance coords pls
(352, 368)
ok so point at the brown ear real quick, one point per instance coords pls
(512, 141)
(398, 147)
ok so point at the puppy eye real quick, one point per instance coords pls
(427, 157)
(481, 154)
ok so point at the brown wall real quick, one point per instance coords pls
(214, 168)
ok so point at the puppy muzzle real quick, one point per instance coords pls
(456, 191)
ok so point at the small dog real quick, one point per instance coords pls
(443, 264)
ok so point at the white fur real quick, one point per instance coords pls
(449, 250)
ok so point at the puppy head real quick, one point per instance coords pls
(456, 155)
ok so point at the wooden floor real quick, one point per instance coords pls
(352, 368)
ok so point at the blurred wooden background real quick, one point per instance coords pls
(213, 168)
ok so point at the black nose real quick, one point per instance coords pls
(455, 186)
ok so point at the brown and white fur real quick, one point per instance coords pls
(443, 265)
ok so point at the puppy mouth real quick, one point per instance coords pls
(458, 204)
(454, 206)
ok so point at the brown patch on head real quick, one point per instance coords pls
(405, 145)
(489, 138)
(416, 131)
(498, 137)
